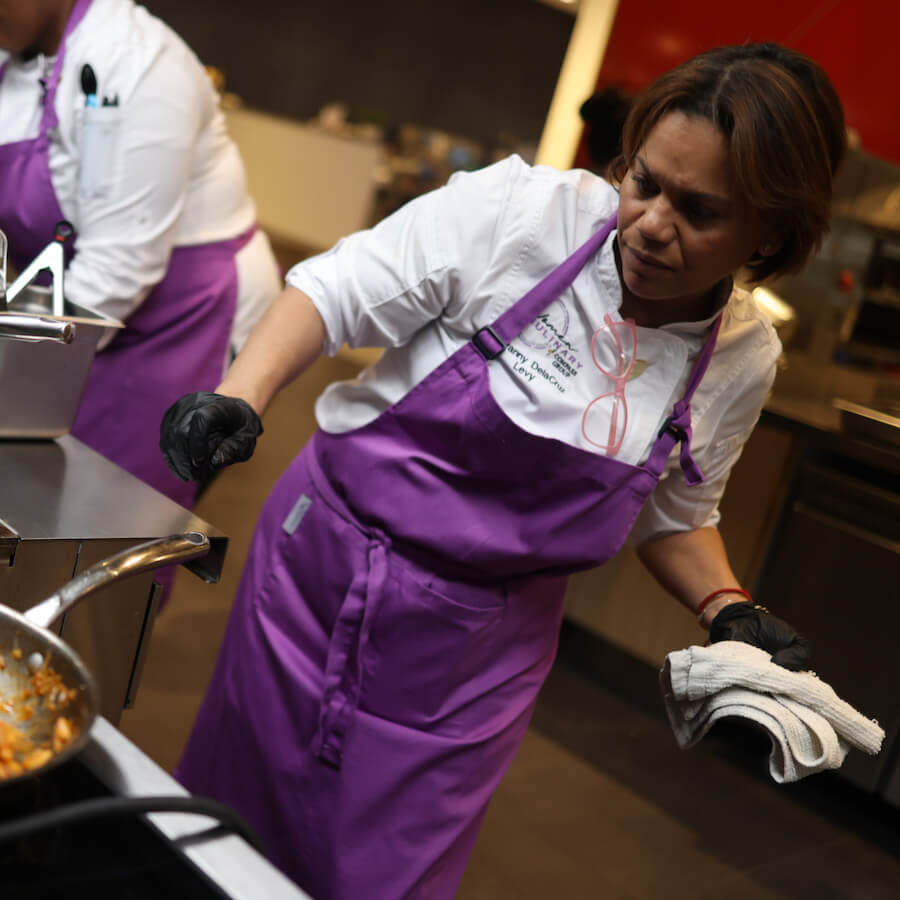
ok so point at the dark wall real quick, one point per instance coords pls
(477, 68)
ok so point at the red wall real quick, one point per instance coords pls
(857, 42)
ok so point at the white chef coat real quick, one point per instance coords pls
(162, 174)
(426, 278)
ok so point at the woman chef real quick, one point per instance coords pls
(109, 121)
(567, 363)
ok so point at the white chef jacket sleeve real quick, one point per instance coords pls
(128, 207)
(378, 287)
(675, 505)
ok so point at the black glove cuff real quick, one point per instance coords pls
(754, 624)
(252, 421)
(733, 612)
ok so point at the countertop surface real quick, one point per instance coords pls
(63, 490)
(825, 301)
(804, 398)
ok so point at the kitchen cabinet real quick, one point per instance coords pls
(834, 569)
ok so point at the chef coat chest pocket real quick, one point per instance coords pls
(429, 641)
(100, 136)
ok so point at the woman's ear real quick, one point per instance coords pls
(770, 246)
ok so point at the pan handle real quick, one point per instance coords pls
(164, 551)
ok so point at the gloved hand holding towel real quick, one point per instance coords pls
(810, 726)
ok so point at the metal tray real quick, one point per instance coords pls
(42, 382)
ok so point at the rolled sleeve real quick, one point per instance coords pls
(378, 287)
(676, 506)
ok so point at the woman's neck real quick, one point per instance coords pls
(656, 313)
(50, 38)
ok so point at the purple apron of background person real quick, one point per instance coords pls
(176, 341)
(398, 614)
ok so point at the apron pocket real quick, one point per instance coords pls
(432, 651)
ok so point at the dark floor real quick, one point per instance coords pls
(599, 802)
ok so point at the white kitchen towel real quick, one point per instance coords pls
(810, 726)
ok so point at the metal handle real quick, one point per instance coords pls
(52, 257)
(35, 328)
(175, 548)
(2, 270)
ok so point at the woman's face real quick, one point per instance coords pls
(32, 26)
(682, 227)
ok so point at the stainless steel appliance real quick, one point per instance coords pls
(870, 333)
(179, 857)
(64, 507)
(47, 346)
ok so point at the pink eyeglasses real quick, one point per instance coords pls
(614, 349)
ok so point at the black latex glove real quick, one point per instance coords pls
(757, 626)
(202, 433)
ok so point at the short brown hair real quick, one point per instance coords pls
(784, 124)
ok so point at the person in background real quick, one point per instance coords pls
(604, 114)
(568, 364)
(109, 121)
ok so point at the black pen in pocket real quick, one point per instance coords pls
(89, 85)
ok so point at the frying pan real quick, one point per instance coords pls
(43, 679)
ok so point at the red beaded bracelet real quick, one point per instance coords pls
(706, 600)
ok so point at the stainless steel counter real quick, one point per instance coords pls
(64, 507)
(63, 490)
(803, 400)
(817, 368)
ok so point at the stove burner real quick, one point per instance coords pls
(117, 857)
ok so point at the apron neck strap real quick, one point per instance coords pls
(491, 340)
(677, 427)
(521, 314)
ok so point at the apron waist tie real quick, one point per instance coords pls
(346, 652)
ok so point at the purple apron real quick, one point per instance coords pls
(399, 611)
(177, 340)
